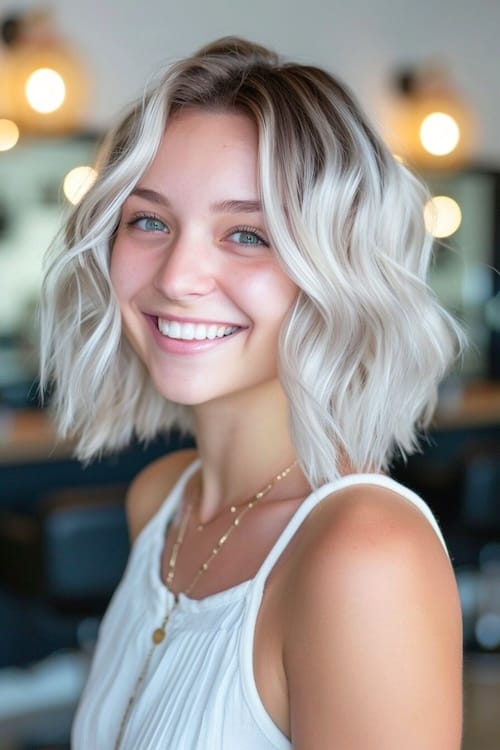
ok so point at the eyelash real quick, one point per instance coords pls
(144, 215)
(249, 230)
(155, 217)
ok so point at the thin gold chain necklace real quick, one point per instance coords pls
(159, 633)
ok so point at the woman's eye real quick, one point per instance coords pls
(149, 224)
(247, 237)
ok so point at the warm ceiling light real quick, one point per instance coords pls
(42, 82)
(78, 182)
(45, 90)
(442, 216)
(9, 134)
(428, 124)
(439, 133)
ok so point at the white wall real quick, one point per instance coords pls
(362, 41)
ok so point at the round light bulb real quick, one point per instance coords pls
(9, 134)
(439, 133)
(442, 216)
(45, 90)
(77, 182)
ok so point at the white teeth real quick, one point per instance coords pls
(187, 331)
(173, 328)
(193, 331)
(200, 332)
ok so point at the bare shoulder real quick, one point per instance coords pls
(150, 487)
(369, 524)
(375, 644)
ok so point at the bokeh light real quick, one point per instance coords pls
(9, 134)
(77, 182)
(45, 90)
(488, 631)
(442, 216)
(439, 133)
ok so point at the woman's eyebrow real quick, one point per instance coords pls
(236, 207)
(151, 195)
(227, 206)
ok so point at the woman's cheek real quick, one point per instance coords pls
(124, 270)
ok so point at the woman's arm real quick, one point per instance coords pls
(373, 654)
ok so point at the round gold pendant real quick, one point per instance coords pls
(158, 636)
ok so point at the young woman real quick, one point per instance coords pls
(250, 266)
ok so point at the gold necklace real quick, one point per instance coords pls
(159, 633)
(248, 504)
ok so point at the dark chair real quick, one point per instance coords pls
(60, 566)
(63, 563)
(63, 545)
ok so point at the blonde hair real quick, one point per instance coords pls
(366, 343)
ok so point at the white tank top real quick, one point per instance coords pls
(199, 692)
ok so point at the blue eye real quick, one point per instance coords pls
(149, 224)
(248, 237)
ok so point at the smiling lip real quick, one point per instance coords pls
(188, 331)
(181, 336)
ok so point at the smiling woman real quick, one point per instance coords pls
(251, 266)
(202, 296)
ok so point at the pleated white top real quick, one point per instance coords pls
(199, 692)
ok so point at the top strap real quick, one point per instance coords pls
(318, 495)
(171, 502)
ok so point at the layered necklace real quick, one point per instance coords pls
(238, 513)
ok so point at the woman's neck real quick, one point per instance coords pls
(243, 442)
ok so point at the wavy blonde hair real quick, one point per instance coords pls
(365, 345)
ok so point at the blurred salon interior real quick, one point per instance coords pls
(428, 75)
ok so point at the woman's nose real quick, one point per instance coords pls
(186, 270)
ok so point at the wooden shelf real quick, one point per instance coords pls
(30, 436)
(478, 405)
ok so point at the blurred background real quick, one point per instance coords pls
(427, 73)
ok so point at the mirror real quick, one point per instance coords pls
(31, 206)
(463, 273)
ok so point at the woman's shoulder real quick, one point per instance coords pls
(376, 601)
(360, 527)
(152, 485)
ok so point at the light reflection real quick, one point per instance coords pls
(9, 134)
(45, 90)
(442, 216)
(77, 182)
(439, 133)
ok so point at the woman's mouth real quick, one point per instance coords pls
(174, 329)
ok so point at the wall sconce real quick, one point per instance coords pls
(431, 127)
(42, 82)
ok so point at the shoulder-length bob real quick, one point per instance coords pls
(366, 343)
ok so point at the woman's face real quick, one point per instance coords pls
(201, 292)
